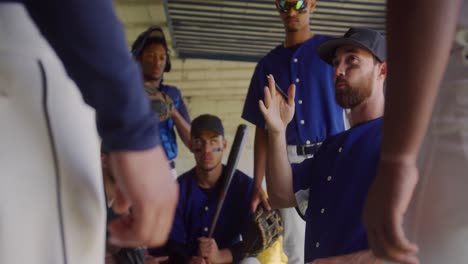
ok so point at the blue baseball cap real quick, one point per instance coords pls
(368, 39)
(206, 122)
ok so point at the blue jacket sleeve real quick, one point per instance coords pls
(89, 40)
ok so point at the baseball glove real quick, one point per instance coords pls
(265, 229)
(162, 105)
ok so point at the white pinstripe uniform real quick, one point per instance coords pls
(42, 115)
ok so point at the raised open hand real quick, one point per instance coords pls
(277, 111)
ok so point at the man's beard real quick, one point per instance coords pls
(350, 96)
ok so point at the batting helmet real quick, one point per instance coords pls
(153, 34)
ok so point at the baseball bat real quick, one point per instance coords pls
(233, 159)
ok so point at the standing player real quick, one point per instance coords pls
(317, 114)
(151, 51)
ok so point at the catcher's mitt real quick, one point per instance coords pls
(162, 105)
(264, 230)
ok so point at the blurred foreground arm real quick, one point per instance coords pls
(419, 34)
(147, 186)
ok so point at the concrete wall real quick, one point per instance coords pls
(215, 87)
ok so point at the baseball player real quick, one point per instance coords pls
(423, 180)
(200, 189)
(317, 114)
(342, 170)
(151, 51)
(52, 208)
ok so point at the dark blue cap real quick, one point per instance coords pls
(364, 38)
(206, 122)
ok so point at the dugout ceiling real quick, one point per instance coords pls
(239, 30)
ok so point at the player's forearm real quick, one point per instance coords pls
(360, 257)
(416, 66)
(278, 172)
(260, 156)
(182, 126)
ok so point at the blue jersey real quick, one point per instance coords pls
(196, 208)
(338, 179)
(317, 115)
(166, 128)
(89, 39)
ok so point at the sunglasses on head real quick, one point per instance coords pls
(285, 6)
